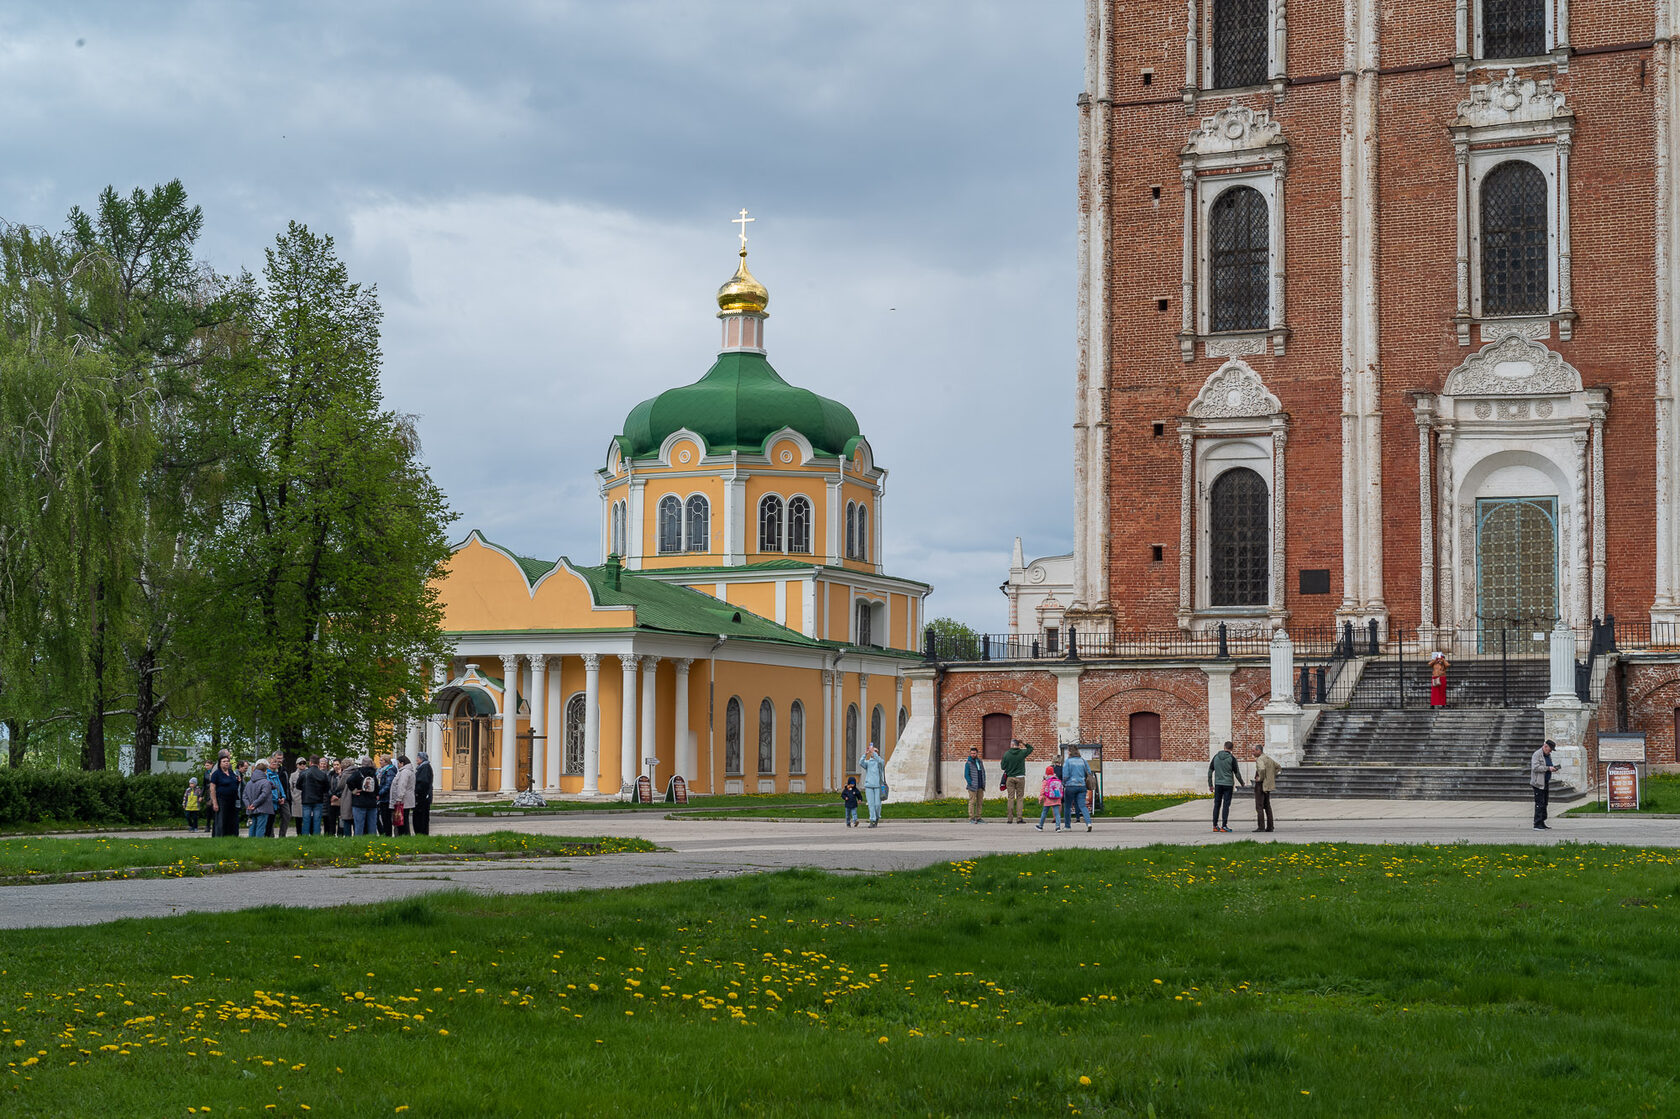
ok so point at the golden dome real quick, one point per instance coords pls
(743, 294)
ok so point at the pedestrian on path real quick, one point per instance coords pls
(282, 795)
(402, 797)
(1540, 770)
(422, 795)
(1050, 797)
(224, 797)
(974, 778)
(849, 796)
(1223, 776)
(1266, 770)
(1438, 665)
(364, 796)
(1014, 766)
(874, 769)
(259, 800)
(189, 804)
(1076, 776)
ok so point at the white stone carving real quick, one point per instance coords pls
(1244, 346)
(1234, 391)
(1543, 409)
(1484, 410)
(1513, 409)
(1232, 129)
(1495, 330)
(1512, 366)
(1511, 100)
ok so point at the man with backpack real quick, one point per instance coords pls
(1076, 775)
(364, 796)
(259, 800)
(387, 774)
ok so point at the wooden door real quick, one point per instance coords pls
(1144, 734)
(995, 734)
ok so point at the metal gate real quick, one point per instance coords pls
(1516, 572)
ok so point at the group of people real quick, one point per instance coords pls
(1224, 775)
(874, 769)
(1064, 795)
(380, 795)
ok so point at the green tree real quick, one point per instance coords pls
(319, 608)
(954, 640)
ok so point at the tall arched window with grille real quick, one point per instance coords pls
(623, 542)
(670, 525)
(878, 728)
(851, 529)
(1515, 267)
(1241, 43)
(577, 710)
(903, 717)
(1239, 547)
(770, 523)
(799, 526)
(863, 636)
(851, 738)
(1513, 28)
(863, 533)
(1239, 259)
(732, 737)
(796, 738)
(766, 737)
(699, 524)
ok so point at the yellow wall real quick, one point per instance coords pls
(752, 683)
(657, 486)
(795, 604)
(839, 612)
(760, 598)
(482, 589)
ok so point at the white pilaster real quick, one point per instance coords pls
(828, 706)
(650, 713)
(591, 724)
(627, 725)
(1067, 701)
(835, 522)
(681, 734)
(1426, 521)
(510, 721)
(1280, 439)
(1449, 618)
(735, 519)
(539, 721)
(865, 730)
(635, 528)
(1218, 703)
(554, 726)
(1566, 282)
(1579, 575)
(1596, 409)
(1186, 498)
(1282, 715)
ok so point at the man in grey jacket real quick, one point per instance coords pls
(1540, 770)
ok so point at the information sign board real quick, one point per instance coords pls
(1620, 747)
(677, 791)
(1621, 787)
(644, 790)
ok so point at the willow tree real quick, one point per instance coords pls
(318, 605)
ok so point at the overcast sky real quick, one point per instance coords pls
(542, 193)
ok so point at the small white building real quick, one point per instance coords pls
(1039, 592)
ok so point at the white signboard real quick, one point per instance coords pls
(1621, 747)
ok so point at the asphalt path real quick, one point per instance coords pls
(699, 848)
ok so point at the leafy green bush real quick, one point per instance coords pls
(32, 795)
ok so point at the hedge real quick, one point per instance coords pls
(72, 795)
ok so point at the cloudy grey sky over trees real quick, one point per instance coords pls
(542, 193)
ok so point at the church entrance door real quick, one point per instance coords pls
(1516, 572)
(470, 754)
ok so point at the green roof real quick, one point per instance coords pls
(675, 609)
(736, 406)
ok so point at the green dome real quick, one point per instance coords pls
(736, 406)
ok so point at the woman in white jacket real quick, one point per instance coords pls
(402, 792)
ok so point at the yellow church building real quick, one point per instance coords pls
(740, 630)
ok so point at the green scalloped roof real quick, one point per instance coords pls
(736, 406)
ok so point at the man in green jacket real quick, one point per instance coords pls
(1014, 767)
(1223, 776)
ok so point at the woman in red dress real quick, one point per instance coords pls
(1438, 665)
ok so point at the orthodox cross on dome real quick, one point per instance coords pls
(742, 222)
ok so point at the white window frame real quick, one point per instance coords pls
(1209, 188)
(1470, 49)
(1215, 456)
(1543, 158)
(1198, 75)
(781, 525)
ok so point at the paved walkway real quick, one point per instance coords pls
(707, 848)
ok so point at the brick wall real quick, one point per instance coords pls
(1109, 697)
(1653, 692)
(968, 697)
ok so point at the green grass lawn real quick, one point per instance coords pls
(35, 860)
(1249, 980)
(950, 808)
(1658, 793)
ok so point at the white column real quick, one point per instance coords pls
(834, 523)
(1219, 726)
(864, 728)
(1446, 538)
(1280, 439)
(413, 730)
(827, 729)
(1562, 36)
(1426, 522)
(898, 702)
(1192, 80)
(650, 711)
(1662, 607)
(1461, 28)
(1187, 283)
(627, 723)
(1461, 152)
(734, 519)
(635, 526)
(591, 724)
(1186, 495)
(1283, 667)
(1278, 246)
(539, 724)
(510, 721)
(1562, 650)
(1578, 522)
(554, 727)
(1596, 410)
(685, 760)
(434, 723)
(836, 758)
(1566, 283)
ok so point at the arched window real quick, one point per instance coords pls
(863, 635)
(1513, 28)
(863, 532)
(1515, 278)
(732, 737)
(623, 528)
(796, 738)
(851, 738)
(878, 728)
(799, 526)
(1241, 52)
(770, 524)
(1239, 251)
(903, 717)
(1143, 732)
(851, 529)
(670, 525)
(699, 525)
(766, 737)
(1239, 547)
(577, 710)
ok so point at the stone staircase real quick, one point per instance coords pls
(1473, 749)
